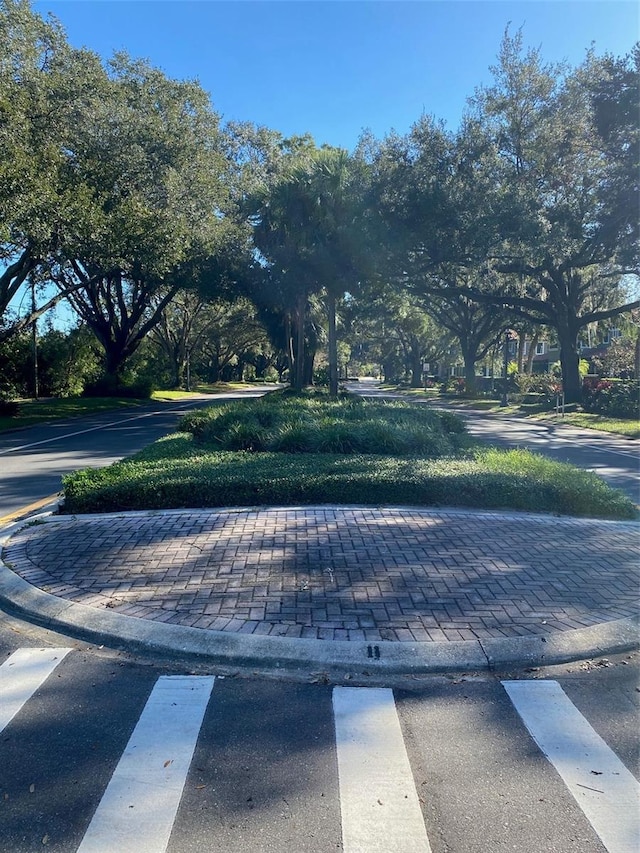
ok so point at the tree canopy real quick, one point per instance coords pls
(121, 188)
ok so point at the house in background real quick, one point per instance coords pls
(548, 352)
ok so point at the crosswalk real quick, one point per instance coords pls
(176, 763)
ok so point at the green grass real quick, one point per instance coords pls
(619, 426)
(629, 427)
(185, 470)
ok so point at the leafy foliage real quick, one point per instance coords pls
(313, 424)
(618, 398)
(178, 472)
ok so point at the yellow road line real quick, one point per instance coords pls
(26, 510)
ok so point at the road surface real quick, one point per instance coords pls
(615, 458)
(34, 460)
(101, 752)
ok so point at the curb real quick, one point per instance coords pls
(282, 654)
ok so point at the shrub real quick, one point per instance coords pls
(109, 386)
(314, 423)
(617, 398)
(9, 408)
(451, 423)
(545, 387)
(176, 472)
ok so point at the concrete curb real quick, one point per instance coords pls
(281, 654)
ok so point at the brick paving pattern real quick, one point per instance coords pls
(341, 573)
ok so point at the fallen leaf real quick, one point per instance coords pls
(168, 762)
(597, 772)
(32, 788)
(45, 839)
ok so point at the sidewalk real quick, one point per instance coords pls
(347, 589)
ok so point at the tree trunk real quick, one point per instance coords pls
(298, 379)
(289, 355)
(114, 364)
(469, 371)
(570, 363)
(333, 346)
(309, 366)
(415, 365)
(532, 352)
(521, 342)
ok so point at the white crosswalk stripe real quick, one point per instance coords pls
(137, 811)
(21, 675)
(364, 750)
(602, 786)
(380, 808)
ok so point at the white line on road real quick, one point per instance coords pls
(21, 675)
(602, 786)
(138, 808)
(378, 800)
(177, 407)
(79, 432)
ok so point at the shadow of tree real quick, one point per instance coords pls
(341, 573)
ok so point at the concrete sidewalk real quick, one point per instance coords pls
(347, 589)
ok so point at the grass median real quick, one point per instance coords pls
(195, 469)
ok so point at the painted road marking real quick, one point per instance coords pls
(176, 408)
(78, 432)
(138, 808)
(378, 800)
(602, 786)
(27, 510)
(21, 675)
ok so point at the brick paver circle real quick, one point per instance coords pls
(341, 573)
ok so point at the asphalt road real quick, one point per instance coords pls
(615, 458)
(435, 764)
(34, 460)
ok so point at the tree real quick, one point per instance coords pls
(233, 336)
(305, 228)
(43, 85)
(565, 198)
(334, 183)
(477, 327)
(539, 185)
(396, 331)
(148, 156)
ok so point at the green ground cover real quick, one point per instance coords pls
(191, 469)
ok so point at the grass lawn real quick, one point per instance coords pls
(197, 468)
(628, 427)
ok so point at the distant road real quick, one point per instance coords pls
(33, 460)
(615, 458)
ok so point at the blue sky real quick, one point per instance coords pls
(334, 68)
